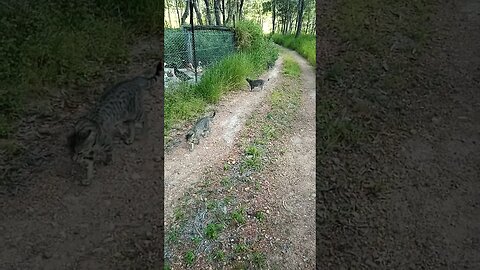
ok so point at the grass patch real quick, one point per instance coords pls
(212, 230)
(182, 104)
(52, 44)
(260, 216)
(259, 259)
(304, 45)
(291, 68)
(252, 160)
(189, 257)
(238, 216)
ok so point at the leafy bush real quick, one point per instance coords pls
(304, 45)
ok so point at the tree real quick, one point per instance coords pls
(178, 3)
(301, 6)
(168, 11)
(209, 17)
(240, 9)
(230, 11)
(273, 16)
(216, 7)
(186, 11)
(223, 12)
(197, 11)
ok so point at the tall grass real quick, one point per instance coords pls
(304, 45)
(254, 53)
(48, 44)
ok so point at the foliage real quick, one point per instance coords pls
(248, 35)
(304, 45)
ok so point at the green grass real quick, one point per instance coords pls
(212, 230)
(291, 68)
(260, 216)
(253, 159)
(184, 103)
(189, 257)
(239, 216)
(304, 45)
(53, 44)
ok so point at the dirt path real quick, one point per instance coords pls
(293, 175)
(277, 198)
(183, 168)
(56, 224)
(408, 197)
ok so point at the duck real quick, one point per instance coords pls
(199, 67)
(180, 74)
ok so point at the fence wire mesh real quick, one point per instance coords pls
(211, 46)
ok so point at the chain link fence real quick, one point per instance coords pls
(212, 43)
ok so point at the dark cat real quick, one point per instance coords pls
(256, 83)
(201, 128)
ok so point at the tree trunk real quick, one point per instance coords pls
(197, 11)
(185, 12)
(223, 12)
(240, 10)
(209, 17)
(273, 16)
(216, 8)
(291, 23)
(178, 11)
(230, 11)
(300, 17)
(167, 9)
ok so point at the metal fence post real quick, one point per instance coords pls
(193, 40)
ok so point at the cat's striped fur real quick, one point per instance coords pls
(123, 103)
(201, 128)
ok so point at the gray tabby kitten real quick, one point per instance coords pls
(256, 83)
(123, 103)
(201, 128)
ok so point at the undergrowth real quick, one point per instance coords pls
(254, 53)
(53, 44)
(304, 45)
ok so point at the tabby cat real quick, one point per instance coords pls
(123, 103)
(256, 83)
(201, 128)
